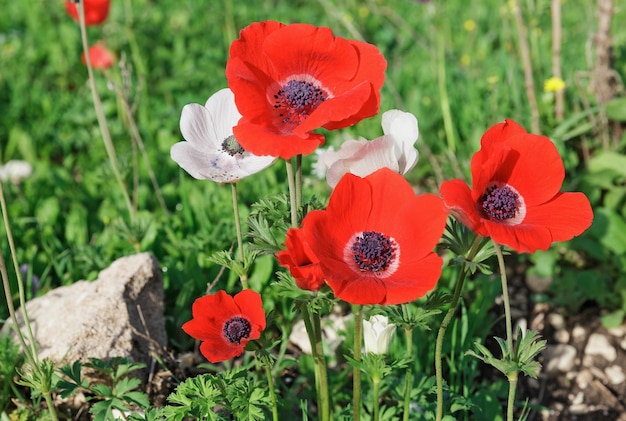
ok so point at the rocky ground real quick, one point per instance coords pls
(583, 376)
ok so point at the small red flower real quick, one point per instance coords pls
(289, 80)
(303, 264)
(96, 11)
(100, 56)
(515, 198)
(376, 238)
(225, 324)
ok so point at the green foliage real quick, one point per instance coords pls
(10, 358)
(218, 397)
(118, 391)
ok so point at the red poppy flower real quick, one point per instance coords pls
(96, 11)
(225, 324)
(100, 56)
(289, 80)
(375, 239)
(303, 264)
(515, 198)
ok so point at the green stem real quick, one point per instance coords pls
(312, 323)
(298, 180)
(293, 198)
(376, 391)
(408, 382)
(444, 325)
(102, 122)
(32, 351)
(324, 397)
(505, 296)
(270, 383)
(244, 276)
(356, 371)
(308, 324)
(512, 377)
(136, 137)
(443, 93)
(511, 399)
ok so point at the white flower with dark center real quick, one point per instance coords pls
(211, 152)
(394, 150)
(377, 332)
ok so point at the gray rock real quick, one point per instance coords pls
(118, 315)
(599, 345)
(560, 358)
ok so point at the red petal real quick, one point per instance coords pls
(262, 140)
(500, 132)
(535, 168)
(414, 279)
(359, 289)
(303, 49)
(96, 11)
(565, 216)
(251, 306)
(216, 351)
(458, 198)
(421, 223)
(346, 107)
(521, 238)
(303, 264)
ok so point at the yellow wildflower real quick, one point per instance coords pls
(554, 84)
(469, 25)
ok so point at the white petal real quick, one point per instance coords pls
(401, 125)
(252, 164)
(197, 128)
(369, 157)
(224, 113)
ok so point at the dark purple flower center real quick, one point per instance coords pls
(500, 203)
(297, 99)
(232, 147)
(372, 251)
(236, 329)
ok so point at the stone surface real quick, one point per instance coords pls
(560, 358)
(599, 345)
(118, 315)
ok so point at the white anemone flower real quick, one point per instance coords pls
(394, 150)
(211, 152)
(378, 332)
(15, 170)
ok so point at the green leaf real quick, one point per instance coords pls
(616, 109)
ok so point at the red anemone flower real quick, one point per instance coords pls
(100, 56)
(96, 11)
(303, 264)
(515, 198)
(225, 324)
(289, 80)
(375, 239)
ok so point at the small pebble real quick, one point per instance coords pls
(556, 320)
(561, 336)
(615, 374)
(583, 379)
(578, 333)
(560, 358)
(599, 345)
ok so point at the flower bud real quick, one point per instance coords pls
(377, 332)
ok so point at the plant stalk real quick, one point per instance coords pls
(356, 371)
(408, 381)
(444, 325)
(244, 276)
